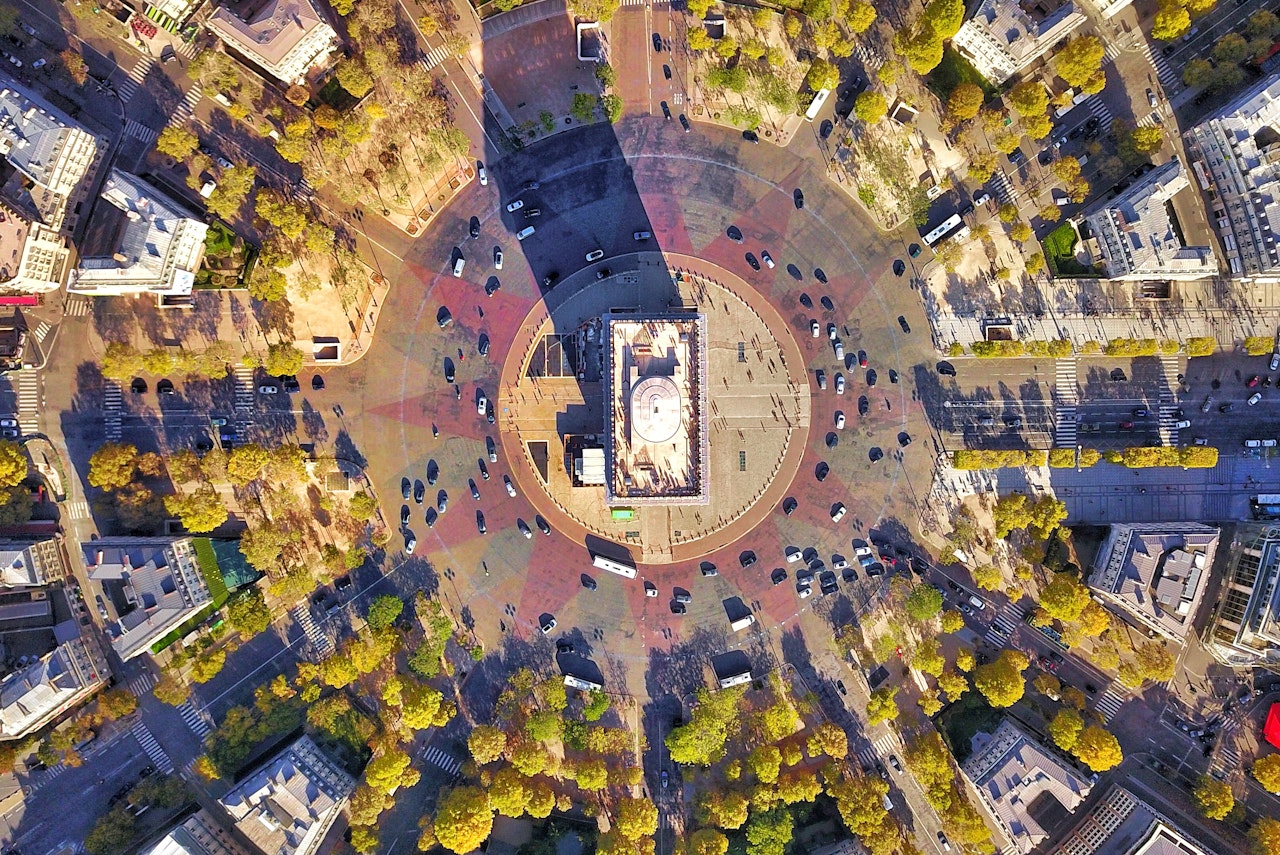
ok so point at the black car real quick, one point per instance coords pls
(946, 369)
(317, 382)
(542, 524)
(864, 406)
(789, 505)
(798, 198)
(825, 129)
(1227, 407)
(821, 471)
(550, 279)
(406, 487)
(588, 582)
(475, 491)
(657, 43)
(914, 250)
(433, 472)
(893, 376)
(666, 111)
(474, 229)
(751, 137)
(734, 233)
(820, 275)
(448, 371)
(564, 647)
(899, 267)
(677, 608)
(805, 300)
(753, 261)
(419, 490)
(666, 71)
(706, 568)
(480, 526)
(871, 377)
(404, 515)
(902, 322)
(746, 559)
(684, 123)
(484, 470)
(840, 687)
(492, 286)
(778, 576)
(893, 761)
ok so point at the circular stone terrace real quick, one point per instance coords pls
(552, 404)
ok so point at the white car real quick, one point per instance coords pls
(839, 383)
(766, 258)
(39, 63)
(1185, 423)
(815, 329)
(497, 258)
(595, 255)
(804, 591)
(484, 176)
(515, 206)
(511, 488)
(524, 232)
(838, 512)
(223, 162)
(1254, 398)
(793, 555)
(1253, 443)
(865, 555)
(1275, 360)
(839, 349)
(839, 419)
(482, 405)
(650, 589)
(268, 389)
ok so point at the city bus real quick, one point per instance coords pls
(944, 228)
(816, 106)
(613, 566)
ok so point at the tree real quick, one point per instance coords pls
(233, 188)
(111, 467)
(829, 739)
(75, 65)
(988, 577)
(1267, 772)
(945, 17)
(927, 657)
(1213, 797)
(246, 463)
(170, 691)
(594, 10)
(1064, 598)
(952, 621)
(953, 684)
(263, 545)
(1065, 728)
(1171, 22)
(708, 841)
(112, 833)
(247, 612)
(1021, 232)
(701, 740)
(860, 16)
(1231, 49)
(823, 75)
(1079, 60)
(592, 775)
(509, 792)
(765, 761)
(1198, 8)
(965, 101)
(636, 818)
(870, 107)
(1001, 682)
(1263, 24)
(1147, 141)
(1265, 836)
(383, 611)
(924, 602)
(769, 832)
(208, 666)
(422, 706)
(881, 706)
(177, 142)
(1029, 98)
(596, 706)
(486, 743)
(1098, 749)
(354, 77)
(464, 819)
(199, 512)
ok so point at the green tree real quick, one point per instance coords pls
(881, 706)
(177, 142)
(1001, 682)
(1021, 232)
(1231, 49)
(708, 841)
(945, 17)
(1064, 598)
(263, 545)
(1265, 836)
(1079, 60)
(1263, 24)
(823, 75)
(859, 17)
(247, 612)
(112, 834)
(1147, 141)
(584, 107)
(1213, 797)
(246, 463)
(111, 467)
(170, 691)
(383, 611)
(988, 577)
(233, 188)
(1029, 98)
(952, 621)
(765, 761)
(1098, 749)
(1065, 728)
(829, 739)
(77, 69)
(924, 602)
(283, 360)
(354, 77)
(464, 819)
(208, 665)
(1171, 22)
(769, 832)
(965, 101)
(607, 75)
(1267, 772)
(486, 743)
(596, 706)
(635, 818)
(594, 10)
(870, 107)
(199, 512)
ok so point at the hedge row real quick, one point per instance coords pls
(1140, 457)
(1061, 348)
(974, 459)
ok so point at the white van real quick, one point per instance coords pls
(207, 190)
(743, 622)
(458, 265)
(524, 232)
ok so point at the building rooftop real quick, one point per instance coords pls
(150, 244)
(32, 696)
(1245, 627)
(1029, 790)
(270, 33)
(154, 585)
(1137, 231)
(286, 806)
(199, 834)
(656, 446)
(1124, 824)
(1156, 572)
(1004, 36)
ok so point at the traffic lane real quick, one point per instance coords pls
(1224, 18)
(631, 56)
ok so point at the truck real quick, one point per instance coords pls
(742, 623)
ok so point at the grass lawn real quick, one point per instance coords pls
(1059, 251)
(221, 258)
(961, 720)
(954, 70)
(335, 96)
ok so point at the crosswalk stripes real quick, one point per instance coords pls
(142, 733)
(436, 757)
(244, 402)
(869, 755)
(45, 777)
(1226, 758)
(1109, 703)
(139, 131)
(198, 723)
(633, 2)
(1110, 52)
(1065, 426)
(302, 190)
(1065, 387)
(1007, 619)
(184, 110)
(136, 76)
(186, 49)
(141, 684)
(112, 402)
(1096, 107)
(41, 331)
(1001, 187)
(26, 383)
(76, 308)
(1168, 77)
(78, 509)
(434, 57)
(319, 640)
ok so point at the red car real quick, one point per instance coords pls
(862, 359)
(1126, 426)
(1254, 381)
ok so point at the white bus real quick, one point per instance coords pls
(613, 566)
(816, 106)
(947, 226)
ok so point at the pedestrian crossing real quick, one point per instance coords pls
(136, 76)
(198, 723)
(186, 49)
(44, 778)
(142, 733)
(183, 111)
(1226, 758)
(434, 57)
(1109, 703)
(41, 331)
(26, 385)
(1165, 73)
(1003, 624)
(76, 308)
(244, 402)
(139, 131)
(112, 402)
(1067, 395)
(319, 640)
(302, 190)
(869, 755)
(634, 2)
(1001, 187)
(440, 759)
(78, 509)
(141, 683)
(1097, 108)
